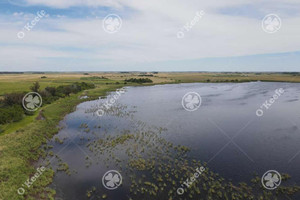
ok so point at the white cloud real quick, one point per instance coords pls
(68, 3)
(147, 35)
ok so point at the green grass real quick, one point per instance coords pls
(21, 85)
(21, 148)
(227, 77)
(12, 127)
(10, 87)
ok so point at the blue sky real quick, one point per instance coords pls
(228, 37)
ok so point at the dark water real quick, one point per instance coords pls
(225, 132)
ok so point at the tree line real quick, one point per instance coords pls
(11, 109)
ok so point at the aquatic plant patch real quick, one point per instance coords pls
(190, 181)
(110, 102)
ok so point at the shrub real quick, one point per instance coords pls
(51, 90)
(67, 90)
(47, 96)
(12, 109)
(145, 75)
(11, 114)
(139, 80)
(45, 93)
(13, 98)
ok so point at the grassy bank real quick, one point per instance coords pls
(20, 149)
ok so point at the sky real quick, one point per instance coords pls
(222, 35)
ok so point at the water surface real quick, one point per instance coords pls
(224, 132)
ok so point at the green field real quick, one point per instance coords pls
(21, 82)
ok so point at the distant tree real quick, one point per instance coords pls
(35, 87)
(139, 80)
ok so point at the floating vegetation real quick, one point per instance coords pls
(64, 167)
(155, 168)
(50, 153)
(90, 191)
(117, 109)
(165, 167)
(57, 140)
(83, 125)
(88, 162)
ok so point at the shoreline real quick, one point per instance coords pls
(20, 150)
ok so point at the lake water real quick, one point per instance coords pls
(224, 132)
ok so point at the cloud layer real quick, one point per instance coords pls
(148, 35)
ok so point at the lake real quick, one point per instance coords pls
(148, 125)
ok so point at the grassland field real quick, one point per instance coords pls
(21, 82)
